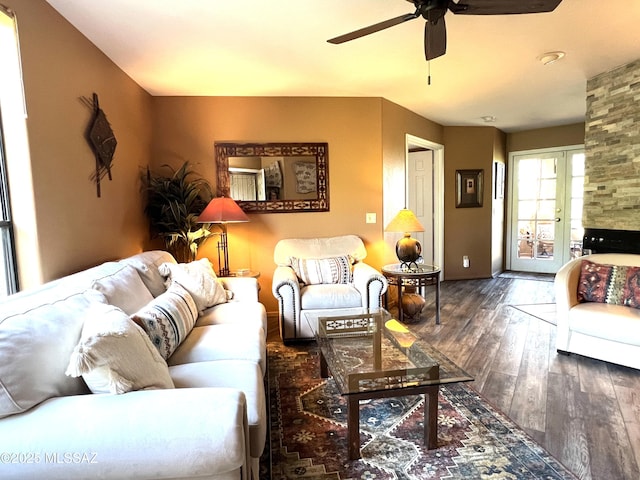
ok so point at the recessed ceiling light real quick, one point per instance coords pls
(550, 57)
(489, 118)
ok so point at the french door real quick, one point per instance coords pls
(545, 209)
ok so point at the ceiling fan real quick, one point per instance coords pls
(433, 11)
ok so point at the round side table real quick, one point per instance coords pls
(244, 273)
(415, 278)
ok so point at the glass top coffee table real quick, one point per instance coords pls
(372, 355)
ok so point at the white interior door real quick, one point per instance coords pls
(425, 195)
(420, 192)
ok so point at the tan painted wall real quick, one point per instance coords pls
(498, 202)
(397, 123)
(185, 128)
(546, 137)
(468, 231)
(76, 229)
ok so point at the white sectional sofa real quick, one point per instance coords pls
(607, 326)
(200, 413)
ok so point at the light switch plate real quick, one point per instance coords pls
(370, 218)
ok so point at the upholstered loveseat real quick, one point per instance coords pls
(116, 373)
(322, 274)
(598, 308)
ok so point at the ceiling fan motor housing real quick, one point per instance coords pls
(433, 11)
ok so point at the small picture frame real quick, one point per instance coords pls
(469, 188)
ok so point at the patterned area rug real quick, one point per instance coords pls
(309, 436)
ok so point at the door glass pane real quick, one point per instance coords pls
(536, 208)
(527, 208)
(525, 239)
(544, 239)
(546, 209)
(547, 188)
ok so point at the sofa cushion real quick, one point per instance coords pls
(614, 284)
(115, 355)
(199, 279)
(611, 322)
(124, 289)
(329, 296)
(168, 319)
(313, 271)
(36, 345)
(248, 314)
(147, 265)
(243, 375)
(222, 342)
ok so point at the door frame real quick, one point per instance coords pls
(412, 141)
(510, 191)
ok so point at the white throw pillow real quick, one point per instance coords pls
(199, 279)
(314, 271)
(115, 355)
(168, 319)
(38, 332)
(124, 289)
(147, 263)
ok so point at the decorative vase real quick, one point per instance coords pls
(412, 304)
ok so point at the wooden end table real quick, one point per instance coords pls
(418, 277)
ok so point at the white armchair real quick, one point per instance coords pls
(330, 284)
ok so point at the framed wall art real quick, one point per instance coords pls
(469, 188)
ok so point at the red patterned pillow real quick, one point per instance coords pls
(614, 284)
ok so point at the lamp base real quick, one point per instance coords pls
(223, 253)
(409, 251)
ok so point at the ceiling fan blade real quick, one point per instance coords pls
(374, 28)
(435, 38)
(502, 7)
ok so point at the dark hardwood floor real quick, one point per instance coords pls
(583, 411)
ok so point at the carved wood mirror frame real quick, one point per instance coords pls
(223, 151)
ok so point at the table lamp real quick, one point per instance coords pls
(220, 211)
(408, 249)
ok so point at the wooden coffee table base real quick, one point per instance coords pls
(386, 369)
(430, 415)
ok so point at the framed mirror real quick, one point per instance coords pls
(274, 177)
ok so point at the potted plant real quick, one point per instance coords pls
(174, 203)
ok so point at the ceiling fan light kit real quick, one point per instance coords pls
(433, 11)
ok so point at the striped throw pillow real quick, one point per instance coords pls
(168, 319)
(314, 271)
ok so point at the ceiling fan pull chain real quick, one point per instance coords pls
(428, 72)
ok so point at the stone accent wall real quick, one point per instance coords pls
(612, 148)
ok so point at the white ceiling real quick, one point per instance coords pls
(279, 48)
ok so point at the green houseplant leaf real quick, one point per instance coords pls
(174, 201)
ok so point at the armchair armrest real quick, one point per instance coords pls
(284, 277)
(566, 290)
(286, 288)
(94, 436)
(370, 283)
